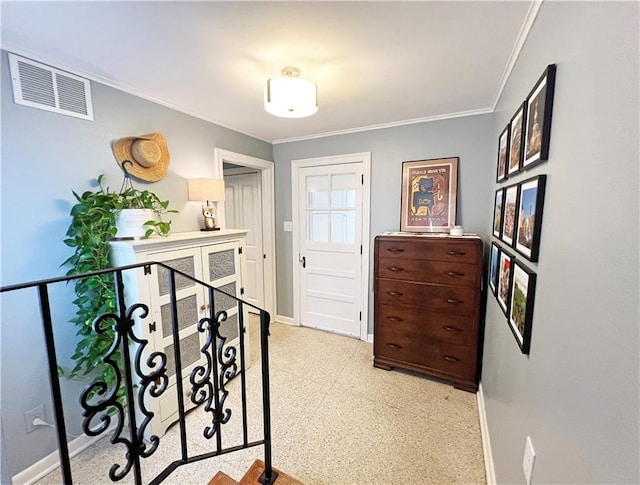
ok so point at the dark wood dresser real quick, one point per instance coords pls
(427, 305)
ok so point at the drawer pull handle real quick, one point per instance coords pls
(395, 319)
(449, 328)
(394, 293)
(395, 250)
(454, 302)
(394, 346)
(454, 273)
(456, 253)
(395, 269)
(451, 358)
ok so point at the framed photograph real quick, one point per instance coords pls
(530, 205)
(504, 281)
(498, 211)
(523, 288)
(429, 189)
(510, 206)
(493, 267)
(503, 151)
(516, 140)
(538, 128)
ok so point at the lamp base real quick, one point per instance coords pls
(212, 229)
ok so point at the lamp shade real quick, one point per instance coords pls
(206, 189)
(290, 96)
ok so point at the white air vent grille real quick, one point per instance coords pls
(48, 88)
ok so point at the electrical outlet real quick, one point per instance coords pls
(30, 416)
(288, 226)
(529, 460)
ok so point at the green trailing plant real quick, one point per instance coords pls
(93, 224)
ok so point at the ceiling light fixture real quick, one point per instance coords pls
(290, 96)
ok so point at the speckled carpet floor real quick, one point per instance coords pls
(336, 420)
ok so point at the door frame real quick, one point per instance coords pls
(296, 165)
(266, 169)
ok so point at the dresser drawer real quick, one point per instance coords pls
(453, 360)
(437, 250)
(438, 272)
(440, 299)
(393, 321)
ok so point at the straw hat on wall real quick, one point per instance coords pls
(148, 154)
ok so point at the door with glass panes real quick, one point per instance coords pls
(330, 243)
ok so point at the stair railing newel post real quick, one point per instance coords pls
(269, 476)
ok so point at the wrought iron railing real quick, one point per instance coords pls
(144, 377)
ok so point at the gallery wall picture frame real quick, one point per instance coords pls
(539, 106)
(504, 280)
(498, 212)
(522, 296)
(529, 217)
(494, 260)
(509, 214)
(429, 194)
(503, 154)
(516, 139)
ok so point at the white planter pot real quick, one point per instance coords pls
(130, 223)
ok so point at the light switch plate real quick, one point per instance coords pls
(288, 226)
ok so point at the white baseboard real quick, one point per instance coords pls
(486, 441)
(370, 338)
(52, 461)
(286, 320)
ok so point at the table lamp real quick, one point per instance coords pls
(209, 191)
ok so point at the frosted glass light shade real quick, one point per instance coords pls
(290, 96)
(206, 189)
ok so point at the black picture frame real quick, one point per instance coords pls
(529, 218)
(539, 105)
(503, 154)
(498, 212)
(521, 303)
(494, 260)
(516, 140)
(509, 214)
(503, 288)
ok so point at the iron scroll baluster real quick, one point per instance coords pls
(108, 407)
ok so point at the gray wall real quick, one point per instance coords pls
(471, 139)
(44, 157)
(576, 394)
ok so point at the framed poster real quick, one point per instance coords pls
(509, 214)
(530, 205)
(493, 267)
(504, 281)
(516, 139)
(503, 150)
(523, 288)
(539, 106)
(498, 211)
(429, 195)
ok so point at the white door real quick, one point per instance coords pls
(243, 211)
(330, 208)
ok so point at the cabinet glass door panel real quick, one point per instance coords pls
(222, 270)
(190, 306)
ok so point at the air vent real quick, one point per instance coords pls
(41, 86)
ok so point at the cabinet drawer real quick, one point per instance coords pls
(440, 299)
(446, 273)
(391, 322)
(450, 359)
(436, 250)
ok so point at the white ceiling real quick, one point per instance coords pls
(375, 63)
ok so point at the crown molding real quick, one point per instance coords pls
(382, 126)
(529, 19)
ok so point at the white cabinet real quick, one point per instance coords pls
(212, 257)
